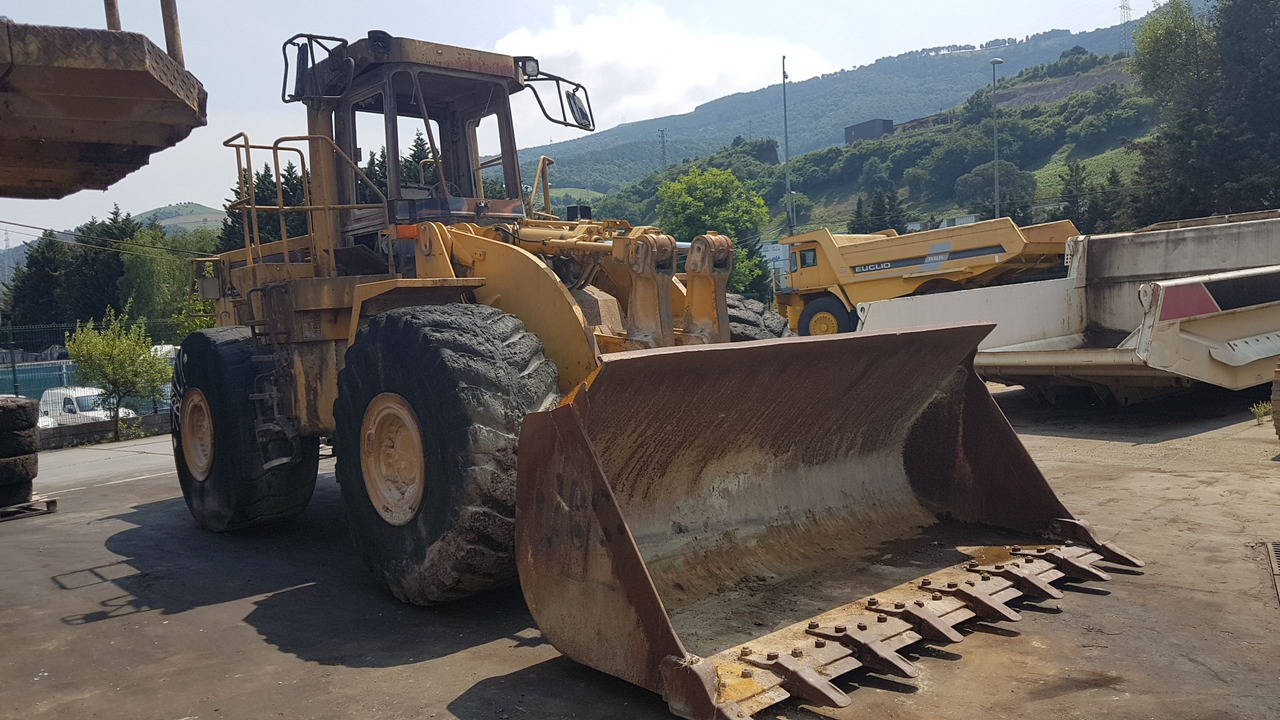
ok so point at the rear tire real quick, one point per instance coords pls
(826, 315)
(17, 413)
(16, 474)
(752, 320)
(456, 381)
(215, 446)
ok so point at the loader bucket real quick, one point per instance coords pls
(731, 525)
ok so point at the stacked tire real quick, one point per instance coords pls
(19, 441)
(753, 320)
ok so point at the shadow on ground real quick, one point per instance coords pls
(319, 603)
(1199, 410)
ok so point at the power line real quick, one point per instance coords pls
(96, 238)
(104, 248)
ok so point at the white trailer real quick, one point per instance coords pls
(1138, 315)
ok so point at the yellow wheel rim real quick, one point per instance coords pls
(196, 425)
(391, 458)
(823, 323)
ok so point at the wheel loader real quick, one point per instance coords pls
(506, 390)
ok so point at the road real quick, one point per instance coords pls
(117, 607)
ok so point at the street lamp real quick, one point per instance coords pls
(995, 132)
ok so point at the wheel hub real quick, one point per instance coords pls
(196, 426)
(823, 323)
(391, 458)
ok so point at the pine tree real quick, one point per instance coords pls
(858, 225)
(879, 210)
(34, 295)
(1075, 191)
(894, 216)
(91, 280)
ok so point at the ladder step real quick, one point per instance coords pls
(262, 396)
(263, 358)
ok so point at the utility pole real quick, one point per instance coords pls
(995, 132)
(786, 151)
(662, 140)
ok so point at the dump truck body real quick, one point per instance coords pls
(1139, 315)
(82, 108)
(831, 271)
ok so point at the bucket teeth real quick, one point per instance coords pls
(1070, 562)
(868, 649)
(1109, 551)
(801, 679)
(1026, 582)
(979, 595)
(928, 624)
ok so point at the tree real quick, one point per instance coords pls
(1075, 192)
(894, 216)
(117, 357)
(35, 295)
(748, 273)
(879, 213)
(976, 191)
(802, 206)
(860, 224)
(712, 200)
(157, 270)
(91, 281)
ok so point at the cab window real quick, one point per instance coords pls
(808, 258)
(793, 262)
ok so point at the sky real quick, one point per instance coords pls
(639, 60)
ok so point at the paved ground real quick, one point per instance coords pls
(116, 607)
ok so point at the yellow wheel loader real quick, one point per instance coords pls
(505, 389)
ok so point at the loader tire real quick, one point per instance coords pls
(18, 413)
(16, 474)
(439, 392)
(15, 443)
(752, 320)
(215, 446)
(826, 315)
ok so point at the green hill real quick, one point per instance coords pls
(1093, 109)
(185, 216)
(901, 88)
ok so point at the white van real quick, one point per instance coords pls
(74, 405)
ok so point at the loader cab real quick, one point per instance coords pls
(428, 125)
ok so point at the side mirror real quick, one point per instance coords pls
(577, 108)
(303, 68)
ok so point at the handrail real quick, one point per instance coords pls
(247, 202)
(544, 163)
(479, 181)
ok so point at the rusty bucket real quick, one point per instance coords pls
(731, 525)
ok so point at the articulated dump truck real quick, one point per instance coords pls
(831, 274)
(1138, 316)
(726, 523)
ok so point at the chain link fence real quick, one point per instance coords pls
(34, 363)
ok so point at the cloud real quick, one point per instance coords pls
(638, 63)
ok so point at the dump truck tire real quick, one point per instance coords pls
(17, 413)
(439, 392)
(219, 462)
(16, 474)
(752, 320)
(15, 443)
(827, 314)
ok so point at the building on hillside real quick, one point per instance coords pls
(869, 130)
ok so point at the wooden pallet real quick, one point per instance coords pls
(37, 506)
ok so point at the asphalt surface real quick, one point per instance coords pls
(117, 607)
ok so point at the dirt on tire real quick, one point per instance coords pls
(18, 413)
(480, 372)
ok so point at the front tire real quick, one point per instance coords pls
(429, 407)
(215, 447)
(826, 315)
(753, 320)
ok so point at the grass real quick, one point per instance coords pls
(1261, 411)
(579, 193)
(1097, 167)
